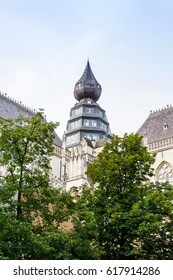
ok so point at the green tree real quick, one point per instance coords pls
(26, 146)
(30, 209)
(124, 215)
(154, 213)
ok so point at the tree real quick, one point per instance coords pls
(31, 210)
(26, 146)
(124, 215)
(155, 227)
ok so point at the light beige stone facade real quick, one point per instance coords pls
(157, 132)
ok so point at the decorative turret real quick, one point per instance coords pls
(87, 118)
(87, 86)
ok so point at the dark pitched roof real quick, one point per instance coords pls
(57, 140)
(10, 108)
(100, 143)
(158, 126)
(88, 75)
(89, 142)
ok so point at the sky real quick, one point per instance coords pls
(45, 44)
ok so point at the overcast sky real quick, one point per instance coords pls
(45, 44)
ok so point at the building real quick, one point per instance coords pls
(157, 132)
(10, 108)
(87, 118)
(87, 129)
(87, 132)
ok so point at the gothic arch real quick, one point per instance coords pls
(164, 172)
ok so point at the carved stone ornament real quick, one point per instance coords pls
(165, 173)
(83, 142)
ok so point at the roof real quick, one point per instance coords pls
(57, 140)
(10, 108)
(87, 86)
(158, 126)
(100, 143)
(89, 142)
(87, 75)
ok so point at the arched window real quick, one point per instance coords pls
(164, 172)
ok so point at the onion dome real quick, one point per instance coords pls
(87, 86)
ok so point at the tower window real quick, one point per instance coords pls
(75, 124)
(72, 139)
(100, 113)
(89, 110)
(89, 122)
(103, 126)
(76, 111)
(92, 136)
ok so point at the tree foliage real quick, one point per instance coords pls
(26, 146)
(125, 215)
(31, 209)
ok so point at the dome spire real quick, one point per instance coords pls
(87, 86)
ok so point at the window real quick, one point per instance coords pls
(76, 111)
(96, 136)
(92, 136)
(75, 124)
(86, 122)
(93, 123)
(165, 126)
(103, 126)
(100, 113)
(89, 110)
(72, 139)
(89, 122)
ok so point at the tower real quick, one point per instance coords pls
(87, 129)
(87, 118)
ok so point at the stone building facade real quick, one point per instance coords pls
(157, 132)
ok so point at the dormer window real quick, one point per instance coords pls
(165, 126)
